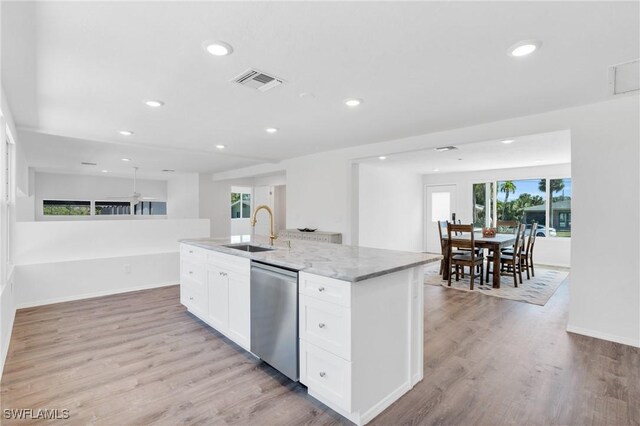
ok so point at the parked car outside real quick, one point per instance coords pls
(541, 230)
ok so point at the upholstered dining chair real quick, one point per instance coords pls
(455, 238)
(511, 261)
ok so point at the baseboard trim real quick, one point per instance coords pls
(370, 414)
(604, 336)
(92, 295)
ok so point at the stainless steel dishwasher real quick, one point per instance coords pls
(274, 317)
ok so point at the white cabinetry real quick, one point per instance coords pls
(361, 342)
(215, 287)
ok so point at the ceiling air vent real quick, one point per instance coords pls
(625, 78)
(257, 80)
(445, 148)
(86, 163)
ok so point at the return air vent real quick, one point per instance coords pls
(445, 148)
(257, 80)
(625, 78)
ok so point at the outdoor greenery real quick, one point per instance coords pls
(53, 208)
(514, 209)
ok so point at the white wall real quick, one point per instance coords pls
(58, 186)
(548, 251)
(183, 196)
(605, 284)
(318, 193)
(214, 205)
(58, 261)
(390, 208)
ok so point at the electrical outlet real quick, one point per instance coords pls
(127, 268)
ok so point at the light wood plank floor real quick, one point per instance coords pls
(140, 358)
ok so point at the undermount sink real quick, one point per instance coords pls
(248, 247)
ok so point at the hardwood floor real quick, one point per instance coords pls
(140, 358)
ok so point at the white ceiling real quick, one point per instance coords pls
(525, 151)
(81, 70)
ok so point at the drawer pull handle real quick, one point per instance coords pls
(323, 374)
(191, 251)
(190, 297)
(321, 325)
(190, 272)
(223, 274)
(321, 289)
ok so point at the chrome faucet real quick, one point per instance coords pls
(253, 220)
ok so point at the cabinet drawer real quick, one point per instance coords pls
(326, 375)
(240, 265)
(327, 289)
(326, 325)
(192, 253)
(192, 271)
(193, 299)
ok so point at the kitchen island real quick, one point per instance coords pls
(360, 315)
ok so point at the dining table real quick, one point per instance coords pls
(495, 244)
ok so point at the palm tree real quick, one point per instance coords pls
(557, 185)
(508, 187)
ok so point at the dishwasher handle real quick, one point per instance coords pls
(274, 269)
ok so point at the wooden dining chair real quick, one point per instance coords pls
(526, 259)
(469, 258)
(510, 263)
(507, 226)
(528, 254)
(443, 232)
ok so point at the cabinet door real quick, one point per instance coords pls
(218, 286)
(239, 309)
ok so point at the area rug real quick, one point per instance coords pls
(537, 290)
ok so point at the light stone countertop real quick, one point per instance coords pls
(347, 263)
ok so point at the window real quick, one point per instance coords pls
(440, 206)
(150, 208)
(482, 204)
(240, 205)
(544, 201)
(66, 208)
(522, 200)
(112, 208)
(560, 206)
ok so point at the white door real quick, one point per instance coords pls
(440, 203)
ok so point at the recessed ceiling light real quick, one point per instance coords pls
(271, 129)
(126, 132)
(382, 157)
(220, 146)
(507, 141)
(218, 48)
(104, 171)
(154, 103)
(352, 102)
(436, 170)
(524, 48)
(126, 159)
(537, 161)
